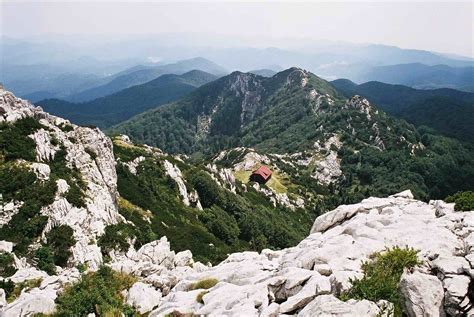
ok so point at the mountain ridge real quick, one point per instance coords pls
(117, 107)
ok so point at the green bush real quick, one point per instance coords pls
(44, 257)
(221, 224)
(206, 283)
(463, 201)
(6, 264)
(116, 237)
(60, 239)
(14, 140)
(382, 275)
(98, 292)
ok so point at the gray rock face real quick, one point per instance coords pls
(143, 297)
(422, 294)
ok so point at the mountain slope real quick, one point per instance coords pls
(448, 111)
(120, 106)
(297, 115)
(142, 74)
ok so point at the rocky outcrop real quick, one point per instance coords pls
(188, 198)
(89, 152)
(306, 279)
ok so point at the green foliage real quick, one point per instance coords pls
(6, 264)
(77, 187)
(463, 201)
(382, 275)
(206, 283)
(65, 127)
(142, 230)
(14, 140)
(15, 291)
(221, 224)
(116, 237)
(82, 267)
(60, 239)
(44, 257)
(20, 184)
(98, 292)
(8, 286)
(213, 232)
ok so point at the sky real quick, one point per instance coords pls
(445, 27)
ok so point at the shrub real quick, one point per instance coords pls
(206, 283)
(382, 275)
(44, 257)
(14, 140)
(116, 237)
(6, 265)
(221, 224)
(60, 239)
(98, 292)
(463, 201)
(65, 127)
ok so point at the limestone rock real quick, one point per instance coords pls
(143, 297)
(6, 246)
(30, 304)
(422, 294)
(328, 305)
(3, 300)
(41, 170)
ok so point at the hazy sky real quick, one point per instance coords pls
(438, 26)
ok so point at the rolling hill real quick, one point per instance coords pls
(120, 106)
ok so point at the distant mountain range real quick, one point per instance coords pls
(37, 82)
(38, 71)
(120, 106)
(448, 111)
(141, 74)
(421, 76)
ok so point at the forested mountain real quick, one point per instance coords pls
(296, 113)
(141, 74)
(448, 111)
(112, 109)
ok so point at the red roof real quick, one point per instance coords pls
(263, 171)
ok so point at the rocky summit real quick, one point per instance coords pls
(61, 198)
